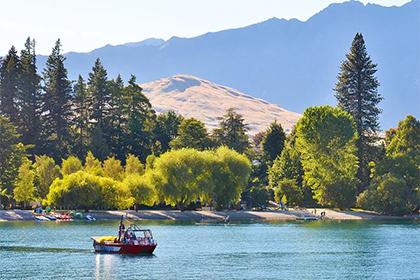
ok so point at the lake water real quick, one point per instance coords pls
(287, 250)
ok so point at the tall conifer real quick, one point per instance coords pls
(9, 85)
(57, 107)
(81, 118)
(30, 102)
(357, 93)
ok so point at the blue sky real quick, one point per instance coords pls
(84, 25)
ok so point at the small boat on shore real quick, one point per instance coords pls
(133, 241)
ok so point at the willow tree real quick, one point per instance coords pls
(357, 93)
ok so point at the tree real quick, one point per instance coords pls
(30, 99)
(81, 118)
(99, 96)
(273, 142)
(405, 139)
(46, 171)
(141, 189)
(232, 132)
(325, 138)
(357, 93)
(133, 165)
(93, 165)
(166, 129)
(117, 118)
(113, 169)
(24, 190)
(12, 153)
(192, 133)
(71, 165)
(57, 107)
(9, 85)
(141, 118)
(287, 191)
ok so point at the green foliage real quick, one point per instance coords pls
(389, 194)
(93, 165)
(258, 196)
(356, 93)
(141, 188)
(232, 132)
(133, 166)
(289, 192)
(11, 154)
(166, 129)
(71, 165)
(81, 118)
(57, 112)
(191, 134)
(46, 171)
(9, 85)
(405, 139)
(182, 176)
(24, 190)
(273, 142)
(82, 190)
(326, 141)
(113, 169)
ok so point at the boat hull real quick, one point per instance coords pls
(119, 248)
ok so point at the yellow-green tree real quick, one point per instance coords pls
(93, 165)
(141, 189)
(133, 165)
(24, 190)
(113, 169)
(71, 165)
(46, 171)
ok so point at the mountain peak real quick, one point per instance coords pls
(195, 97)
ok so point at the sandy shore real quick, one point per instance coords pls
(26, 215)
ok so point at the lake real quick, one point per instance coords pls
(285, 250)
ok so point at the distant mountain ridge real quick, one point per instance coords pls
(289, 62)
(201, 99)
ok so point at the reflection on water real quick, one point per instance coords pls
(286, 250)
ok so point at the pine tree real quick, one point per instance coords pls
(141, 118)
(232, 132)
(9, 85)
(273, 142)
(99, 105)
(57, 107)
(117, 120)
(357, 93)
(166, 129)
(81, 118)
(30, 102)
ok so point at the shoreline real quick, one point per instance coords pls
(218, 216)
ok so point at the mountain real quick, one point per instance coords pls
(288, 62)
(194, 97)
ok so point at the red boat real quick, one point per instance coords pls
(132, 241)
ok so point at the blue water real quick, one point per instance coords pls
(288, 250)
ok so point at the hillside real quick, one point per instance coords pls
(287, 62)
(206, 101)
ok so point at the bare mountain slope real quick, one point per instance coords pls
(206, 101)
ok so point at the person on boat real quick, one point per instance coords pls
(121, 231)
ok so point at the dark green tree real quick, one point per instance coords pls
(141, 118)
(9, 85)
(166, 129)
(30, 99)
(57, 112)
(192, 133)
(12, 153)
(273, 142)
(117, 119)
(232, 132)
(99, 96)
(81, 118)
(357, 93)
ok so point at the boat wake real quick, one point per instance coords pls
(28, 249)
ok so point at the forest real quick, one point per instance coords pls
(98, 144)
